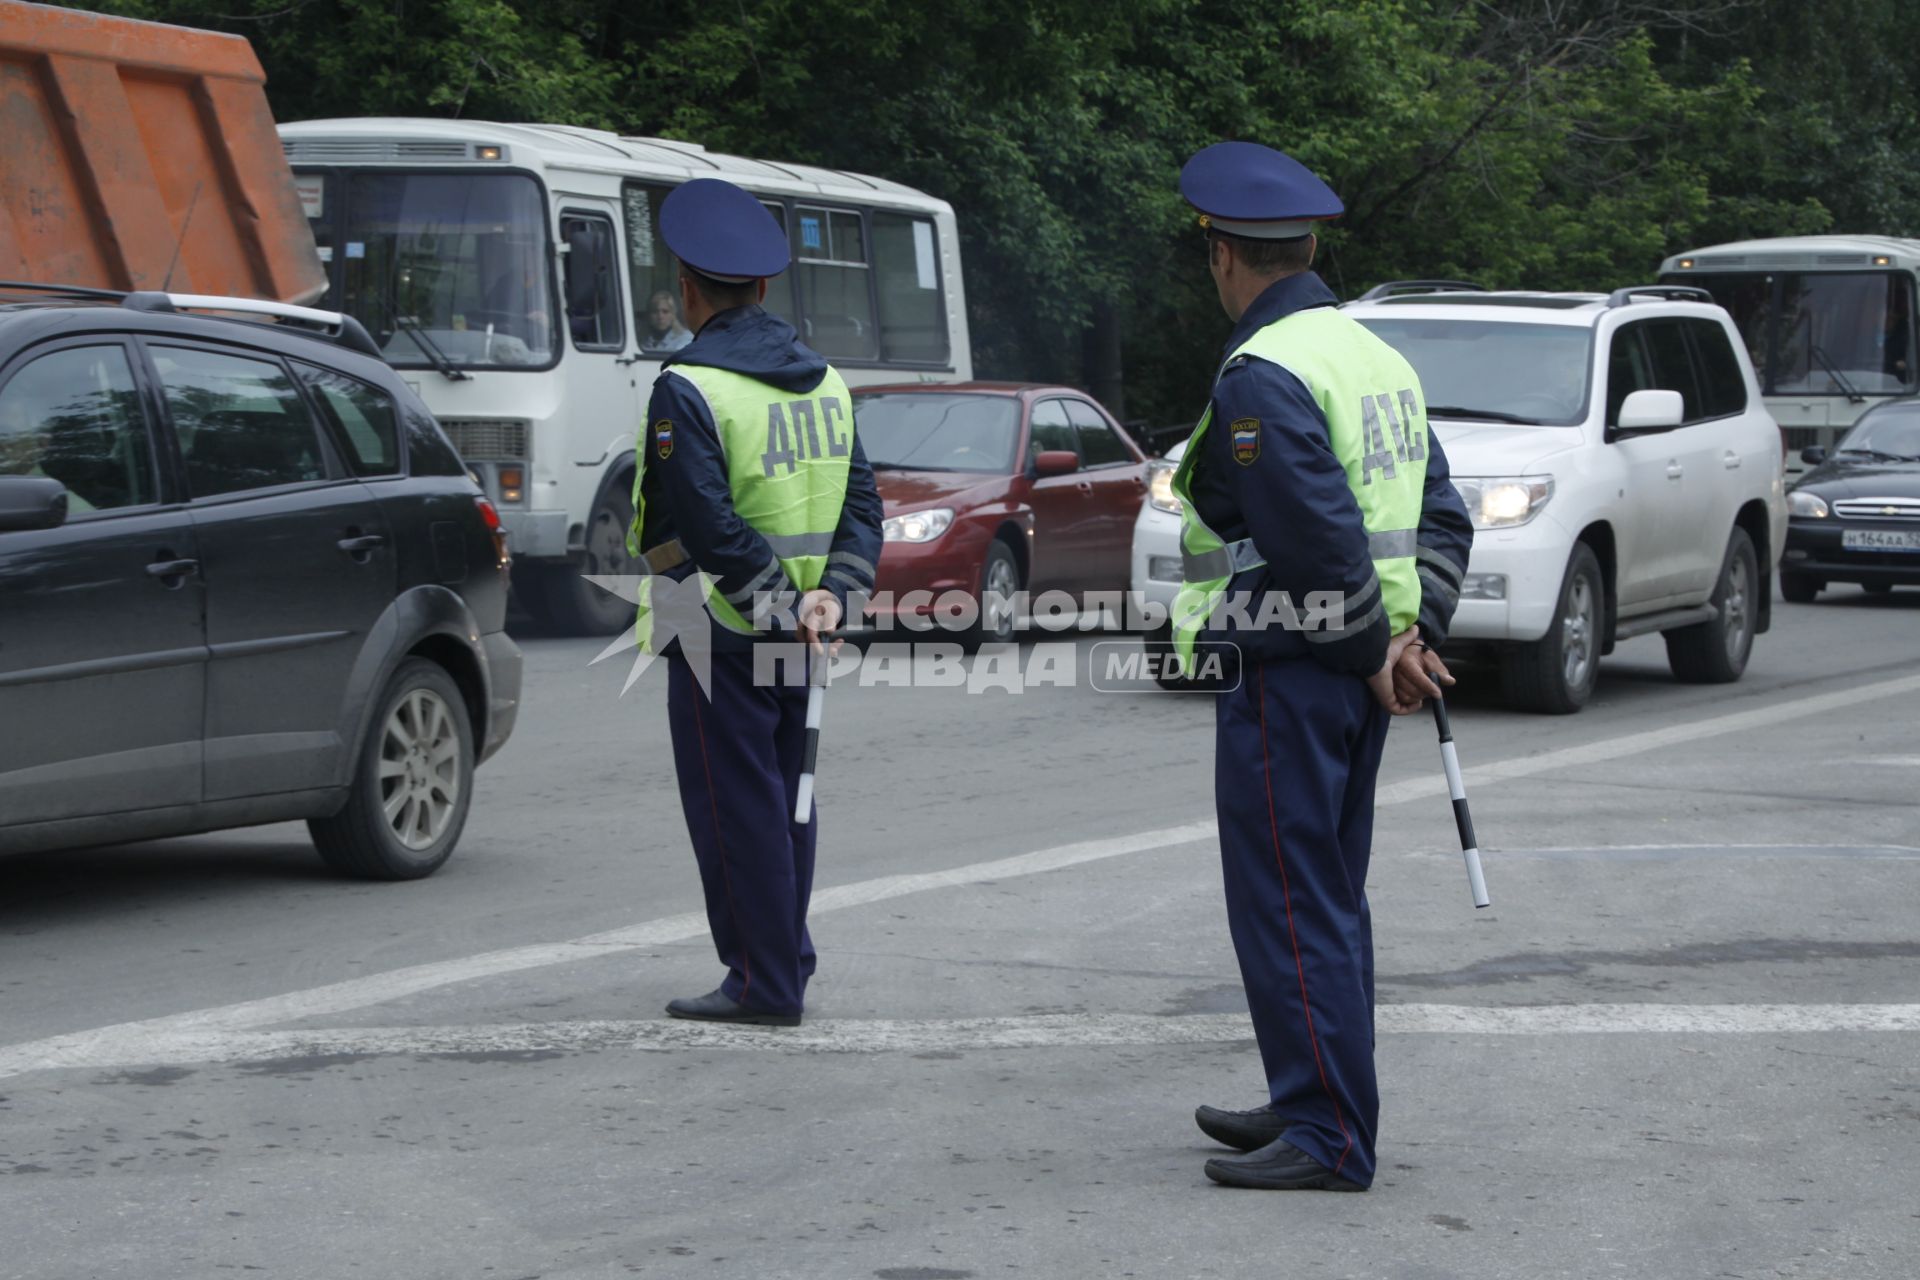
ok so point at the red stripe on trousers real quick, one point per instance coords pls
(1286, 894)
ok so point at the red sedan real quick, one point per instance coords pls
(995, 487)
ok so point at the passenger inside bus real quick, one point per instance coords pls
(665, 332)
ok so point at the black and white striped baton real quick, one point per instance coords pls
(818, 668)
(1462, 816)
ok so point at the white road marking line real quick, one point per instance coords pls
(1048, 1031)
(358, 993)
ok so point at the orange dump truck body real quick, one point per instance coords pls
(135, 155)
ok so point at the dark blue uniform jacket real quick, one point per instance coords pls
(687, 496)
(1294, 502)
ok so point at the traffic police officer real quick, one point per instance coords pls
(1311, 471)
(752, 477)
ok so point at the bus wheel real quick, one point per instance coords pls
(573, 605)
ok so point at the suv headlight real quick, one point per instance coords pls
(917, 526)
(1808, 504)
(1160, 487)
(1503, 502)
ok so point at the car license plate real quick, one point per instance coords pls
(1881, 539)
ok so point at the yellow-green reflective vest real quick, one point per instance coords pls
(787, 455)
(1377, 425)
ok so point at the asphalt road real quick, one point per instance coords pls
(1683, 1043)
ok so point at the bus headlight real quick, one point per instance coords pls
(1808, 504)
(1503, 502)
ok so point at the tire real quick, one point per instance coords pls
(420, 715)
(1798, 588)
(570, 604)
(1716, 652)
(999, 575)
(1555, 674)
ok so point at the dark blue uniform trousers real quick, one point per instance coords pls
(1296, 752)
(738, 759)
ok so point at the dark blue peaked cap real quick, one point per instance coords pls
(721, 231)
(1245, 189)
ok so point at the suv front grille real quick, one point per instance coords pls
(1878, 509)
(488, 439)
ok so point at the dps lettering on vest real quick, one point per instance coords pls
(1377, 427)
(787, 461)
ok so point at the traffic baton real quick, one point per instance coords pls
(1462, 816)
(816, 700)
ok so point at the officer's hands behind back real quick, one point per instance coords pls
(1411, 674)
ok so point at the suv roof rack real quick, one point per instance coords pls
(1664, 292)
(342, 329)
(1393, 287)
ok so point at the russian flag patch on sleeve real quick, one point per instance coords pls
(1246, 440)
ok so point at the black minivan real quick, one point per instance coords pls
(244, 578)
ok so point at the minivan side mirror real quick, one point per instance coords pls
(31, 502)
(1056, 462)
(1651, 411)
(1814, 454)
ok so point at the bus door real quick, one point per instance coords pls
(601, 375)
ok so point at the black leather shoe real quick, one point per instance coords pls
(1241, 1130)
(1278, 1166)
(716, 1006)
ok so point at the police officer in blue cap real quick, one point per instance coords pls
(754, 490)
(1322, 538)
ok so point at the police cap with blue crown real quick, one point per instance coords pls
(1245, 189)
(723, 232)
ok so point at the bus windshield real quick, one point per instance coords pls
(1821, 333)
(445, 270)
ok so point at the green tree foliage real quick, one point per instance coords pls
(1536, 143)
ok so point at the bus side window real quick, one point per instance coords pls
(913, 316)
(830, 259)
(653, 281)
(592, 288)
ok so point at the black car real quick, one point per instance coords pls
(244, 578)
(1856, 516)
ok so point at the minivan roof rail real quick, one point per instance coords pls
(1664, 292)
(1392, 287)
(342, 329)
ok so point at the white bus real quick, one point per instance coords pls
(516, 274)
(1829, 321)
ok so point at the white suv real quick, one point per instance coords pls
(1622, 475)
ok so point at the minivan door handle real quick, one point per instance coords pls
(171, 572)
(1731, 459)
(1675, 471)
(359, 546)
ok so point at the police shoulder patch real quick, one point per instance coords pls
(1246, 440)
(663, 439)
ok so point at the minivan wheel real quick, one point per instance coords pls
(570, 603)
(1716, 652)
(1556, 673)
(411, 786)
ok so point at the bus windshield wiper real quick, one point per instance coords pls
(428, 348)
(1839, 378)
(1482, 415)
